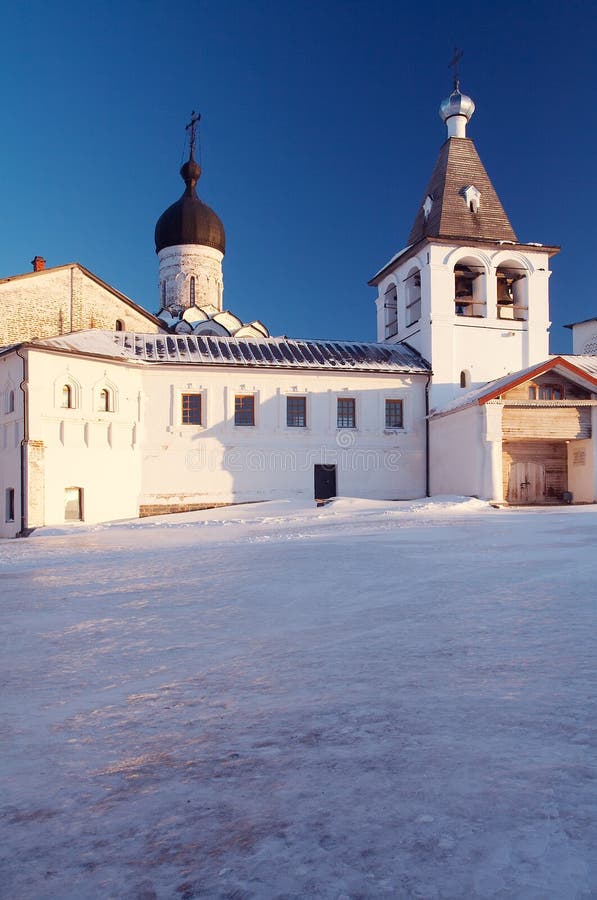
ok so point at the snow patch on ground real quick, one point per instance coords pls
(282, 510)
(377, 700)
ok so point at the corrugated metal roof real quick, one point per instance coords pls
(267, 353)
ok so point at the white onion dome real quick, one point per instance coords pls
(457, 104)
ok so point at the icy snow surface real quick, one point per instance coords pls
(275, 701)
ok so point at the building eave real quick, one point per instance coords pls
(449, 240)
(582, 322)
(488, 394)
(557, 361)
(403, 255)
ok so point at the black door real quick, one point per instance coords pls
(325, 482)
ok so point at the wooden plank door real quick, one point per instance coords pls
(526, 483)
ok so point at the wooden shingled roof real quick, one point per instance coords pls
(458, 167)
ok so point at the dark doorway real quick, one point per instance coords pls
(325, 482)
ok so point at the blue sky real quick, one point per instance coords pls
(319, 132)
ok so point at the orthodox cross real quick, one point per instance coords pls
(454, 62)
(191, 128)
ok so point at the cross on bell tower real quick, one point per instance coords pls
(458, 54)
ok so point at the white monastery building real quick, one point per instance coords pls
(108, 412)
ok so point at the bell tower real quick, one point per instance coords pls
(465, 292)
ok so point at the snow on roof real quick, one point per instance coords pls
(260, 352)
(582, 322)
(390, 261)
(586, 364)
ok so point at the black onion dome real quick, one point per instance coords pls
(189, 221)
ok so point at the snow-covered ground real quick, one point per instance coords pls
(275, 701)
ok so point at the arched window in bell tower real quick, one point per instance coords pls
(192, 291)
(511, 292)
(412, 285)
(390, 303)
(469, 289)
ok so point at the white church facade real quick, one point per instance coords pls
(109, 412)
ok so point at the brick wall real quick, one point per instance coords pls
(163, 509)
(57, 301)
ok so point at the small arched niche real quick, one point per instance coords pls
(105, 400)
(465, 378)
(106, 396)
(67, 392)
(470, 288)
(412, 296)
(512, 291)
(67, 399)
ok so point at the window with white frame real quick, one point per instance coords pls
(244, 409)
(296, 412)
(394, 414)
(346, 412)
(191, 409)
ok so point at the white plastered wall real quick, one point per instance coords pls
(82, 446)
(220, 462)
(486, 347)
(465, 452)
(140, 453)
(11, 433)
(584, 338)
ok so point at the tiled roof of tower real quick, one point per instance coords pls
(267, 353)
(458, 167)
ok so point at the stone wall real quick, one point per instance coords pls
(60, 300)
